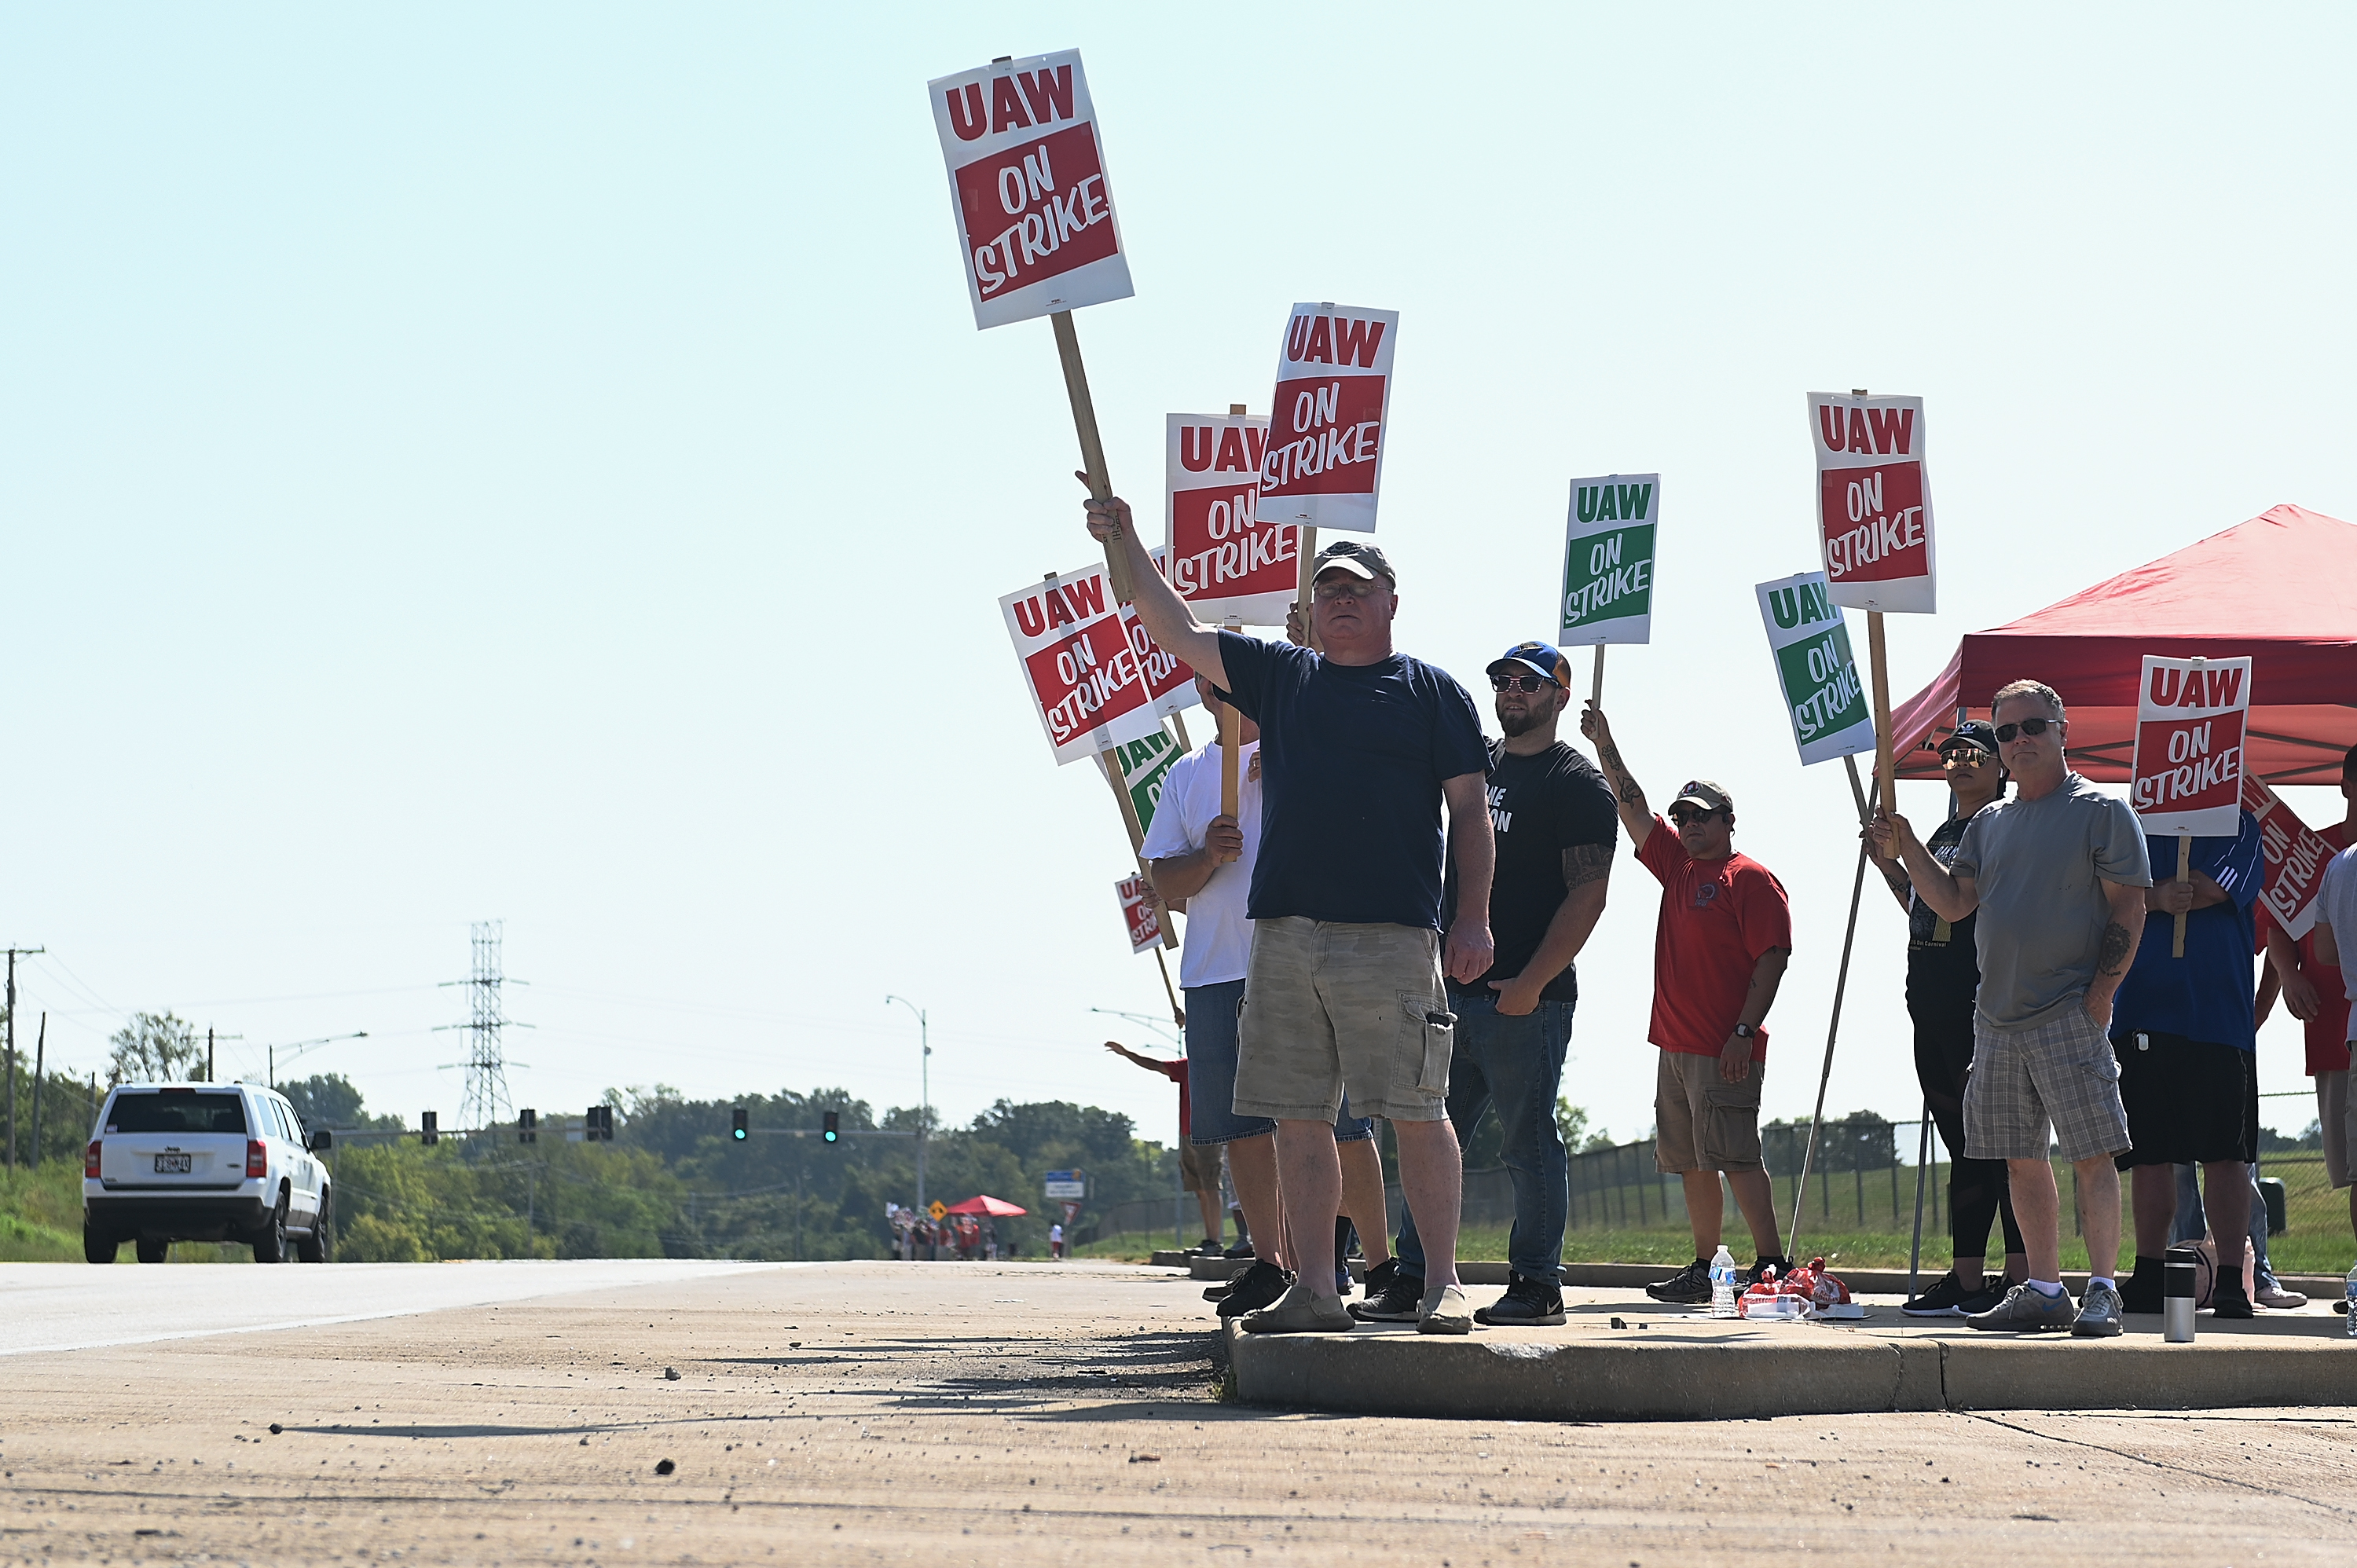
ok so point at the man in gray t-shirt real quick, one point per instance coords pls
(2336, 943)
(2058, 876)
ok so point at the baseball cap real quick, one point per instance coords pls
(1359, 560)
(1705, 794)
(1538, 658)
(1972, 733)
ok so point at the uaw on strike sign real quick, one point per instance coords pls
(1138, 912)
(1028, 182)
(1096, 677)
(1607, 560)
(1224, 560)
(2187, 777)
(2296, 858)
(1325, 458)
(1824, 699)
(1874, 509)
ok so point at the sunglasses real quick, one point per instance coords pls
(2005, 733)
(1520, 682)
(1965, 757)
(1687, 816)
(1346, 588)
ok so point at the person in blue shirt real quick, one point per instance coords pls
(2188, 1046)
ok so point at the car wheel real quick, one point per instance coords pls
(99, 1246)
(270, 1241)
(319, 1245)
(151, 1249)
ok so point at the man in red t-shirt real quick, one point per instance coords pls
(1198, 1164)
(2313, 992)
(1719, 949)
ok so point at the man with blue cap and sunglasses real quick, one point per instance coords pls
(1556, 825)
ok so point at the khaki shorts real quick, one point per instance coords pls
(2332, 1116)
(1700, 1122)
(1330, 1007)
(1198, 1166)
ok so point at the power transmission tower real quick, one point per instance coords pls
(485, 1103)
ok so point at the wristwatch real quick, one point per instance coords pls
(1744, 1031)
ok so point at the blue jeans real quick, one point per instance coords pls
(1515, 1065)
(2192, 1221)
(1212, 1074)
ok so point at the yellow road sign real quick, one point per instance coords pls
(939, 1208)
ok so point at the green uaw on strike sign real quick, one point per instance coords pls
(1824, 697)
(1607, 560)
(1145, 767)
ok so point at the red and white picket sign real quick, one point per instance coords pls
(1139, 912)
(1325, 458)
(1222, 560)
(1035, 220)
(2187, 776)
(1096, 678)
(1873, 506)
(2296, 856)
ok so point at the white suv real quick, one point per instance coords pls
(204, 1162)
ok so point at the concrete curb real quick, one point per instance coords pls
(1744, 1372)
(1636, 1276)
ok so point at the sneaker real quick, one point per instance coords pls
(2142, 1290)
(2101, 1315)
(2275, 1299)
(1392, 1296)
(1220, 1291)
(1210, 1246)
(1758, 1269)
(1241, 1247)
(2226, 1297)
(1299, 1312)
(1946, 1298)
(1260, 1284)
(2027, 1311)
(1691, 1284)
(1342, 1284)
(1444, 1310)
(1988, 1298)
(1527, 1304)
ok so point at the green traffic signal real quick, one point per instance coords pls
(833, 1131)
(736, 1128)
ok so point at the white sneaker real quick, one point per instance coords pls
(1444, 1310)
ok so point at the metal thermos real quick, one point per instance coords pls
(2179, 1271)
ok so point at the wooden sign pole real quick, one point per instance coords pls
(1093, 459)
(1596, 686)
(2185, 878)
(1886, 762)
(1137, 834)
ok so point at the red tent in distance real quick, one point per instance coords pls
(2281, 587)
(996, 1207)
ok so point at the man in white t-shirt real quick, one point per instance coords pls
(2336, 943)
(1205, 860)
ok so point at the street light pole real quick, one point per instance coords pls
(299, 1047)
(925, 1089)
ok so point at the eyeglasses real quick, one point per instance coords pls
(1346, 588)
(1687, 816)
(2005, 733)
(1965, 757)
(1520, 682)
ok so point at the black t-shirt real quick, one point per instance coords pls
(1540, 806)
(1943, 965)
(1352, 756)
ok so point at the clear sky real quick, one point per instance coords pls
(537, 462)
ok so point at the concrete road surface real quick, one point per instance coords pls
(981, 1413)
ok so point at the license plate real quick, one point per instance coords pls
(172, 1164)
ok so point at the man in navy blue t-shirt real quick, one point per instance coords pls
(1359, 745)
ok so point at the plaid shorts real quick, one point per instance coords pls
(2061, 1072)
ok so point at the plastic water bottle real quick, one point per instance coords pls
(2348, 1299)
(1723, 1281)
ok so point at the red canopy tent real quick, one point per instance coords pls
(996, 1207)
(2281, 587)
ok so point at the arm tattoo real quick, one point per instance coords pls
(1586, 863)
(2112, 957)
(1897, 877)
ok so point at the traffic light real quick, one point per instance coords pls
(598, 1127)
(527, 1127)
(736, 1128)
(429, 1128)
(833, 1131)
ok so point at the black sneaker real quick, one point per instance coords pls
(1988, 1298)
(1392, 1297)
(1758, 1269)
(1689, 1285)
(1241, 1247)
(1220, 1291)
(1944, 1299)
(2141, 1291)
(1260, 1284)
(1527, 1304)
(2226, 1297)
(1209, 1248)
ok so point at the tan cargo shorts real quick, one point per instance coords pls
(1330, 1007)
(1198, 1166)
(1700, 1122)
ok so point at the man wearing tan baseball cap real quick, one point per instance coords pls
(1720, 946)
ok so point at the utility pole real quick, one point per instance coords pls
(40, 1065)
(924, 1090)
(11, 1049)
